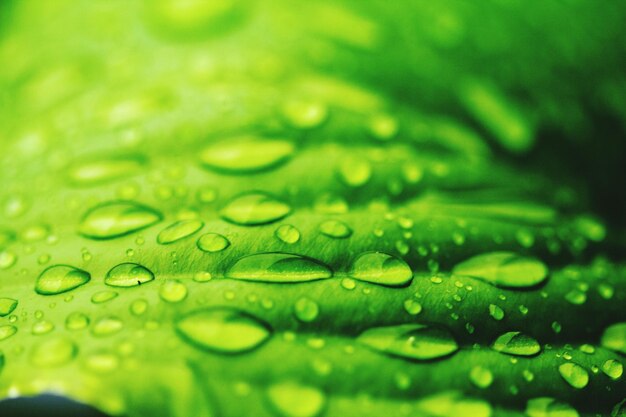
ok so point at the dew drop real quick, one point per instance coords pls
(549, 407)
(335, 228)
(6, 331)
(173, 291)
(481, 377)
(303, 114)
(517, 344)
(614, 337)
(107, 326)
(278, 267)
(504, 269)
(247, 154)
(7, 305)
(212, 242)
(291, 399)
(178, 231)
(381, 268)
(574, 374)
(613, 368)
(58, 279)
(355, 172)
(102, 170)
(128, 275)
(76, 321)
(306, 310)
(114, 219)
(496, 312)
(53, 352)
(288, 234)
(103, 296)
(253, 209)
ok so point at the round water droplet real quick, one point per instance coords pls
(213, 242)
(114, 219)
(381, 268)
(288, 234)
(58, 279)
(304, 114)
(246, 155)
(335, 228)
(291, 399)
(355, 172)
(253, 209)
(574, 374)
(178, 231)
(504, 269)
(7, 331)
(613, 368)
(42, 327)
(278, 267)
(128, 275)
(76, 321)
(549, 407)
(576, 297)
(53, 352)
(614, 337)
(7, 305)
(410, 341)
(138, 307)
(105, 169)
(496, 312)
(517, 344)
(7, 259)
(223, 330)
(383, 126)
(306, 310)
(173, 291)
(107, 326)
(103, 296)
(481, 377)
(412, 307)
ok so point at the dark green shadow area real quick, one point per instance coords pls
(46, 406)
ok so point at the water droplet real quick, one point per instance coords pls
(138, 307)
(335, 228)
(383, 126)
(614, 337)
(103, 170)
(7, 331)
(288, 234)
(103, 296)
(355, 172)
(381, 268)
(613, 368)
(114, 219)
(223, 330)
(303, 114)
(202, 276)
(178, 231)
(173, 291)
(213, 242)
(504, 269)
(101, 362)
(107, 326)
(253, 209)
(247, 154)
(58, 279)
(481, 377)
(496, 312)
(128, 275)
(278, 267)
(7, 305)
(306, 310)
(195, 19)
(42, 327)
(53, 352)
(574, 374)
(7, 259)
(516, 343)
(412, 307)
(453, 404)
(76, 321)
(291, 399)
(576, 297)
(410, 341)
(549, 407)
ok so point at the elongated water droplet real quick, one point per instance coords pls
(7, 259)
(254, 209)
(128, 275)
(103, 170)
(107, 326)
(278, 267)
(173, 291)
(246, 154)
(381, 268)
(410, 341)
(58, 279)
(335, 228)
(304, 114)
(76, 321)
(614, 337)
(103, 296)
(306, 310)
(291, 399)
(288, 234)
(7, 305)
(453, 404)
(517, 344)
(613, 368)
(223, 330)
(101, 362)
(178, 231)
(504, 269)
(53, 352)
(114, 219)
(7, 331)
(42, 327)
(549, 407)
(574, 374)
(213, 242)
(496, 312)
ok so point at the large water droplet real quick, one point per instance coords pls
(102, 170)
(613, 368)
(335, 228)
(505, 269)
(53, 352)
(58, 279)
(517, 344)
(254, 209)
(178, 231)
(278, 267)
(381, 268)
(114, 219)
(7, 305)
(213, 242)
(128, 275)
(574, 374)
(614, 337)
(453, 404)
(410, 341)
(223, 330)
(549, 407)
(291, 399)
(246, 154)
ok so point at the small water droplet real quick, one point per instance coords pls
(496, 312)
(574, 374)
(246, 154)
(179, 230)
(288, 234)
(412, 307)
(303, 114)
(107, 326)
(128, 275)
(355, 172)
(213, 242)
(7, 331)
(381, 268)
(7, 305)
(42, 327)
(114, 219)
(335, 228)
(58, 279)
(505, 269)
(104, 169)
(7, 259)
(103, 296)
(278, 267)
(173, 291)
(292, 399)
(481, 377)
(306, 310)
(613, 368)
(76, 321)
(253, 209)
(516, 343)
(138, 307)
